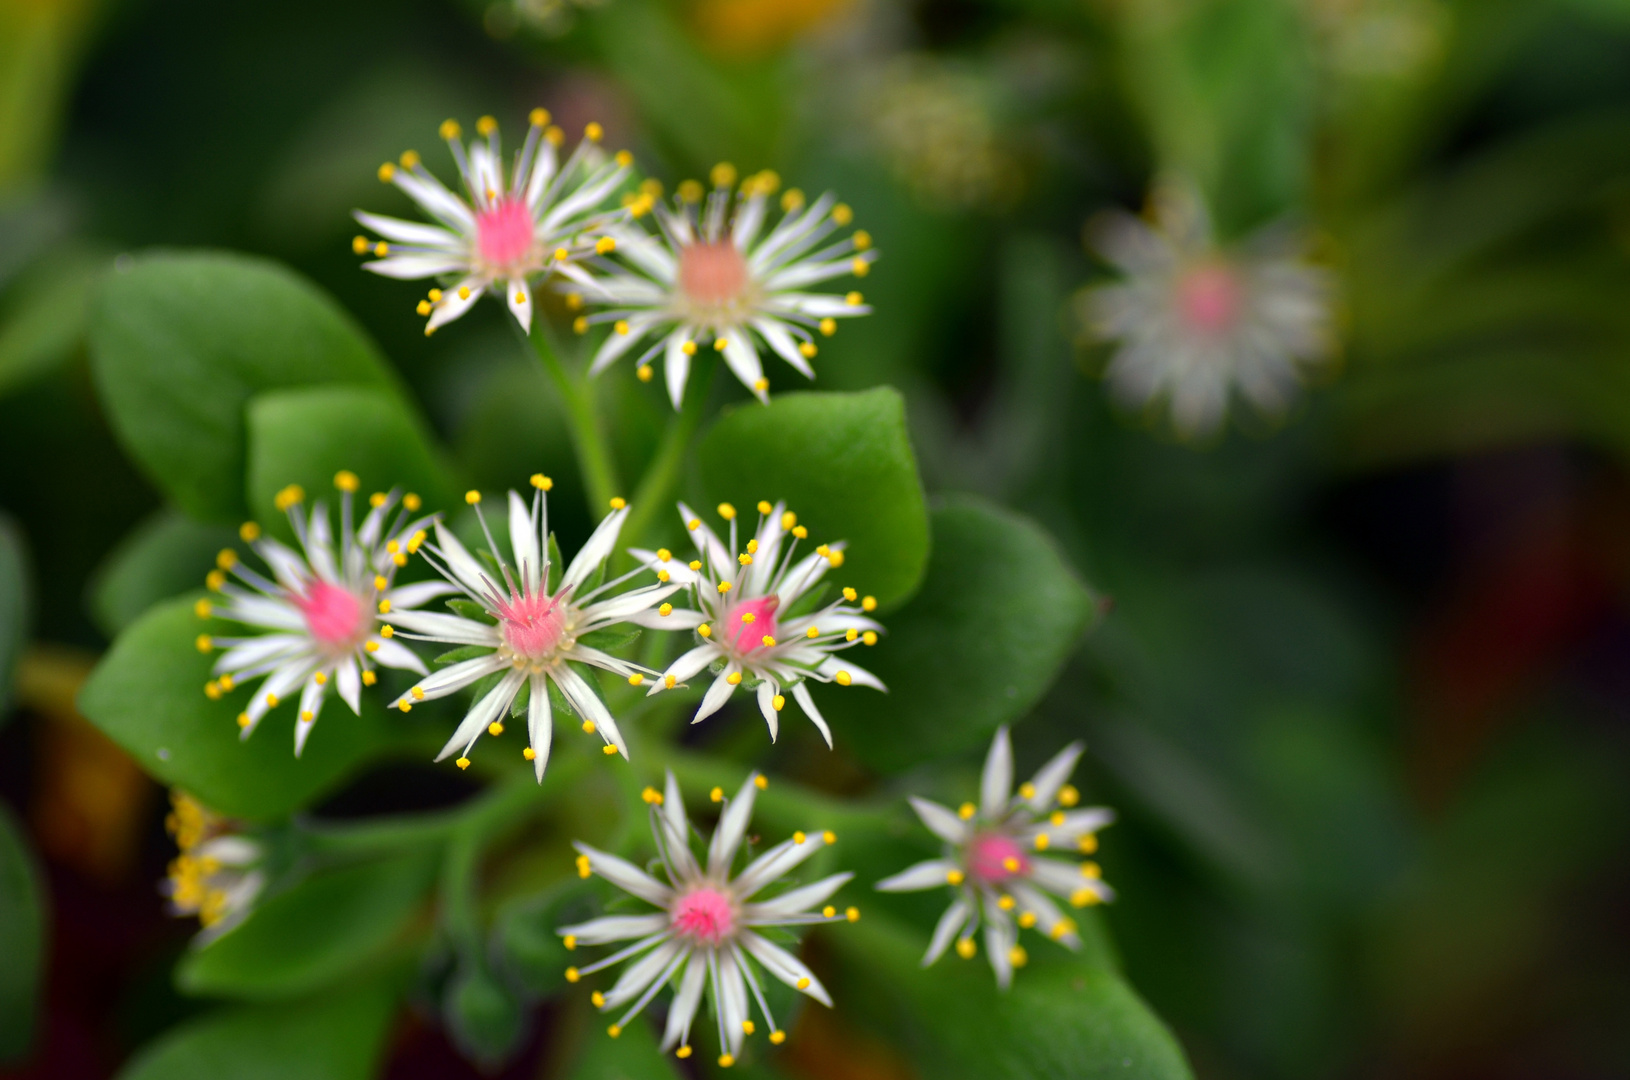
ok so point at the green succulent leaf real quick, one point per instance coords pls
(305, 938)
(525, 935)
(308, 435)
(469, 609)
(338, 1036)
(633, 1055)
(843, 463)
(484, 1016)
(461, 654)
(610, 639)
(164, 556)
(22, 940)
(147, 694)
(180, 341)
(977, 647)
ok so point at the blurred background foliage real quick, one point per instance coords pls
(1362, 697)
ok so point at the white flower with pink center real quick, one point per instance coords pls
(318, 615)
(714, 278)
(704, 934)
(1001, 860)
(505, 230)
(759, 619)
(1197, 322)
(528, 625)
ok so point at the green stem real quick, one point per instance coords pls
(662, 475)
(588, 435)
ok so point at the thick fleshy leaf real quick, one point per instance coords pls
(305, 938)
(483, 1015)
(1062, 1019)
(164, 556)
(305, 436)
(181, 341)
(148, 695)
(14, 604)
(339, 1036)
(22, 940)
(526, 935)
(981, 642)
(632, 1055)
(843, 463)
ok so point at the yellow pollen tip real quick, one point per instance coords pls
(792, 200)
(369, 678)
(1027, 790)
(850, 595)
(423, 307)
(412, 501)
(1056, 818)
(618, 503)
(1042, 840)
(852, 914)
(842, 214)
(829, 912)
(800, 532)
(588, 727)
(769, 642)
(854, 299)
(597, 998)
(529, 754)
(745, 560)
(747, 1027)
(682, 1053)
(271, 701)
(726, 1060)
(450, 129)
(803, 984)
(828, 327)
(472, 497)
(572, 975)
(723, 174)
(593, 131)
(860, 267)
(321, 678)
(1017, 956)
(542, 482)
(965, 811)
(243, 720)
(538, 117)
(214, 580)
(843, 678)
(486, 125)
(405, 705)
(829, 837)
(1088, 844)
(663, 575)
(778, 1037)
(608, 749)
(862, 239)
(1068, 796)
(380, 582)
(808, 350)
(435, 298)
(719, 344)
(371, 646)
(836, 559)
(1010, 864)
(554, 135)
(645, 372)
(386, 172)
(226, 559)
(1027, 920)
(665, 610)
(202, 609)
(1083, 898)
(716, 795)
(1091, 870)
(799, 838)
(705, 630)
(204, 643)
(495, 728)
(359, 245)
(307, 716)
(614, 1031)
(734, 678)
(761, 385)
(868, 603)
(696, 564)
(387, 631)
(605, 246)
(689, 348)
(954, 877)
(869, 637)
(635, 679)
(813, 632)
(623, 158)
(966, 948)
(463, 292)
(668, 681)
(212, 690)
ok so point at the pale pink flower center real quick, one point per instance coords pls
(503, 232)
(993, 857)
(1210, 298)
(704, 916)
(712, 274)
(750, 622)
(532, 626)
(333, 615)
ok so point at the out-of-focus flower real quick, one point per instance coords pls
(504, 230)
(713, 278)
(994, 860)
(216, 876)
(704, 931)
(551, 18)
(1380, 38)
(532, 629)
(738, 28)
(935, 126)
(318, 615)
(751, 627)
(1196, 322)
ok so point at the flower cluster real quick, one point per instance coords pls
(216, 876)
(713, 274)
(1197, 322)
(705, 931)
(999, 860)
(753, 626)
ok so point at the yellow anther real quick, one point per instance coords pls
(682, 1052)
(605, 246)
(813, 632)
(1060, 928)
(588, 727)
(869, 637)
(598, 999)
(574, 301)
(747, 1027)
(1042, 841)
(486, 125)
(227, 682)
(769, 642)
(623, 158)
(705, 630)
(405, 705)
(761, 385)
(668, 681)
(572, 975)
(800, 532)
(723, 174)
(850, 595)
(665, 610)
(727, 511)
(954, 877)
(359, 244)
(829, 912)
(614, 1031)
(380, 582)
(435, 298)
(696, 564)
(423, 307)
(450, 129)
(608, 749)
(965, 811)
(803, 984)
(778, 1037)
(636, 679)
(416, 541)
(645, 372)
(966, 948)
(346, 480)
(371, 646)
(792, 200)
(561, 254)
(520, 298)
(1027, 920)
(1083, 898)
(495, 728)
(1056, 819)
(860, 267)
(726, 1060)
(369, 678)
(828, 836)
(542, 482)
(243, 720)
(249, 531)
(862, 239)
(663, 575)
(386, 172)
(538, 117)
(382, 249)
(745, 560)
(472, 497)
(688, 348)
(593, 132)
(392, 546)
(204, 643)
(716, 795)
(212, 690)
(387, 631)
(1027, 790)
(734, 678)
(720, 344)
(271, 701)
(808, 350)
(868, 603)
(1091, 870)
(748, 617)
(854, 299)
(202, 608)
(321, 678)
(1017, 956)
(828, 326)
(554, 135)
(412, 502)
(842, 215)
(1087, 844)
(584, 866)
(843, 678)
(226, 559)
(1068, 796)
(618, 502)
(1011, 864)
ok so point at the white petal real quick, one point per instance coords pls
(482, 713)
(589, 706)
(676, 365)
(412, 232)
(405, 597)
(942, 822)
(452, 629)
(717, 694)
(616, 928)
(626, 876)
(461, 563)
(311, 704)
(455, 301)
(732, 1000)
(742, 359)
(393, 654)
(786, 967)
(800, 694)
(924, 875)
(794, 901)
(996, 783)
(685, 1002)
(599, 548)
(946, 929)
(732, 827)
(540, 725)
(775, 863)
(639, 975)
(524, 541)
(348, 681)
(1051, 776)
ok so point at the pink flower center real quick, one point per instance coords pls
(993, 857)
(1210, 297)
(333, 615)
(704, 916)
(712, 274)
(750, 622)
(503, 233)
(532, 626)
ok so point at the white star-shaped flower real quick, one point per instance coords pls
(319, 612)
(998, 860)
(703, 935)
(217, 874)
(503, 230)
(758, 622)
(713, 278)
(529, 630)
